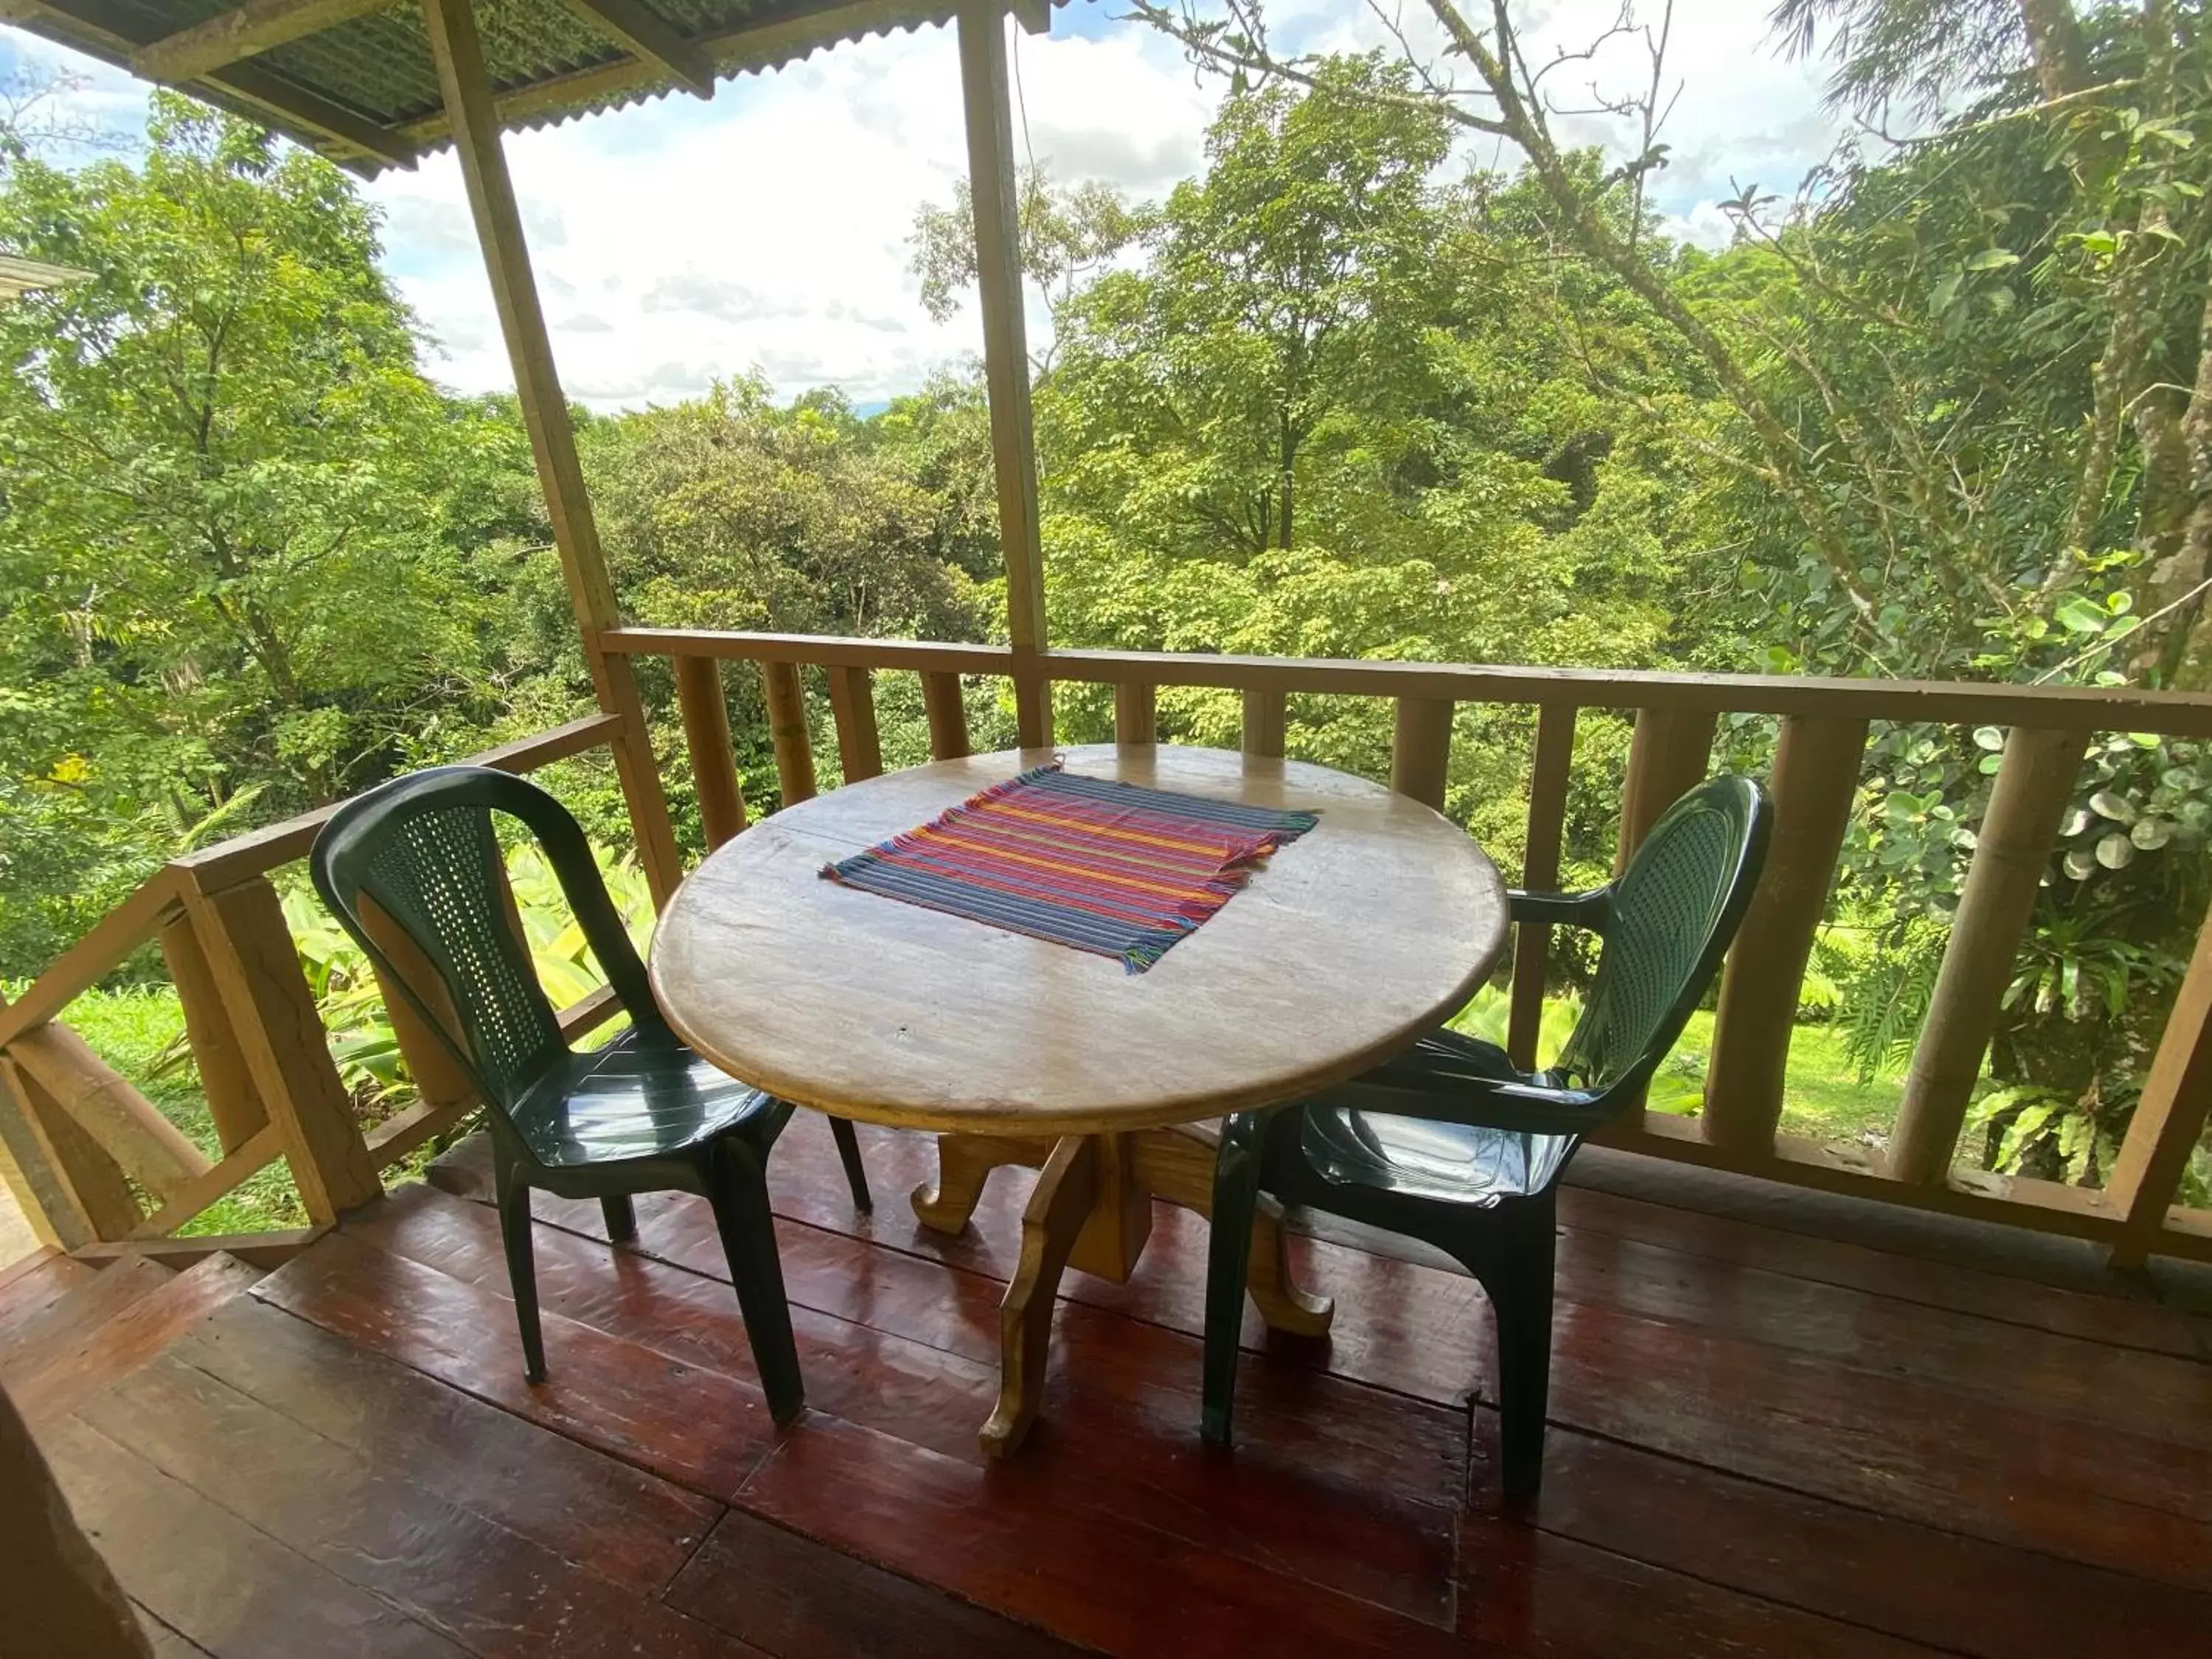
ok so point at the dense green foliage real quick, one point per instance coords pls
(1947, 416)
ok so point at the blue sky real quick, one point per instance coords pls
(683, 241)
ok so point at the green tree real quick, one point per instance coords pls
(230, 524)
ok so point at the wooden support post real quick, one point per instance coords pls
(1266, 715)
(1136, 715)
(1667, 757)
(947, 710)
(458, 54)
(1815, 782)
(2013, 852)
(257, 969)
(232, 1102)
(1420, 749)
(787, 726)
(706, 738)
(991, 184)
(79, 1194)
(852, 701)
(107, 1107)
(1540, 873)
(2169, 1120)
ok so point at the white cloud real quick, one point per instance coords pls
(766, 229)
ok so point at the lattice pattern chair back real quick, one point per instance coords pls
(424, 850)
(1669, 924)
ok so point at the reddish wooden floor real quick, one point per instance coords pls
(1762, 1443)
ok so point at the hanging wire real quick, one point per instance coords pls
(1022, 104)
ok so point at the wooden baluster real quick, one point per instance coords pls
(2169, 1120)
(1136, 715)
(1266, 715)
(852, 701)
(786, 725)
(437, 1075)
(1815, 782)
(1420, 749)
(1540, 873)
(2012, 853)
(948, 714)
(77, 1193)
(232, 1100)
(1669, 757)
(108, 1108)
(707, 736)
(257, 969)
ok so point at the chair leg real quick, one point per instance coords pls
(1519, 1290)
(521, 1267)
(621, 1218)
(1228, 1260)
(848, 1151)
(748, 1231)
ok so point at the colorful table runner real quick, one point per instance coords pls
(1107, 867)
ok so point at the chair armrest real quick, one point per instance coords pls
(1520, 1107)
(1593, 909)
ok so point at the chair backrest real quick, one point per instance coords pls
(424, 850)
(1674, 912)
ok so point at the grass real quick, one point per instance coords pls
(1823, 1096)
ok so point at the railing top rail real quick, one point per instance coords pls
(2056, 708)
(259, 851)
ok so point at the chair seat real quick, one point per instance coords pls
(632, 1098)
(1422, 1157)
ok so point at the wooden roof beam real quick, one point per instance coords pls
(241, 85)
(643, 34)
(244, 31)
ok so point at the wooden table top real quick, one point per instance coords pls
(1352, 943)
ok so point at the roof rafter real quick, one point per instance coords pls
(642, 31)
(262, 94)
(242, 32)
(731, 50)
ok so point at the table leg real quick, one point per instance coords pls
(1177, 1165)
(1066, 1190)
(963, 1163)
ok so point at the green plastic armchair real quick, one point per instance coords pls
(1451, 1144)
(642, 1114)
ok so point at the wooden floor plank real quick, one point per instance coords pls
(1524, 1590)
(631, 1527)
(165, 1643)
(130, 1336)
(31, 1287)
(801, 1600)
(695, 1427)
(497, 1594)
(65, 1304)
(1353, 1489)
(1950, 1591)
(229, 1587)
(2115, 1319)
(1089, 1578)
(1865, 1435)
(1890, 1445)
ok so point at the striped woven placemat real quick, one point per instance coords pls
(1107, 867)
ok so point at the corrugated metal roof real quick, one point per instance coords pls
(22, 276)
(372, 75)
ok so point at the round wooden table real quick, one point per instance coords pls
(1352, 943)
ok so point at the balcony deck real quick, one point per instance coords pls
(1763, 1442)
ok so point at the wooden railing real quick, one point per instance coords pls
(1823, 730)
(92, 1154)
(83, 1143)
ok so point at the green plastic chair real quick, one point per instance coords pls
(1450, 1144)
(643, 1113)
